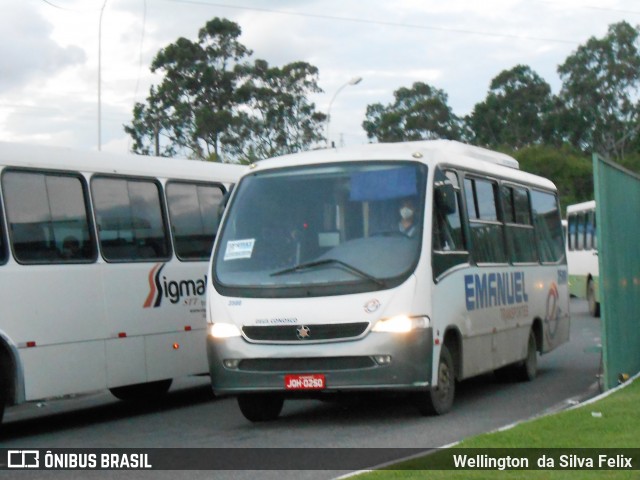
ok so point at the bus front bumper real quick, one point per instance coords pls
(378, 361)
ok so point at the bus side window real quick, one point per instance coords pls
(487, 239)
(193, 212)
(448, 241)
(3, 245)
(43, 210)
(590, 231)
(130, 219)
(595, 232)
(546, 220)
(580, 237)
(519, 227)
(573, 229)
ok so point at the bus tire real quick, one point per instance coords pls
(7, 379)
(4, 392)
(260, 407)
(594, 306)
(439, 400)
(527, 370)
(142, 391)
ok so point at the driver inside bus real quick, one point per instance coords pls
(407, 225)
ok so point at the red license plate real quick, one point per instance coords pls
(304, 382)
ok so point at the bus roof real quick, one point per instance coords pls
(59, 158)
(428, 151)
(578, 207)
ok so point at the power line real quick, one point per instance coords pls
(54, 5)
(51, 4)
(591, 7)
(377, 22)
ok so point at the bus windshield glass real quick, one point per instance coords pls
(336, 228)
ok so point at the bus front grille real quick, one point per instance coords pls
(304, 333)
(306, 365)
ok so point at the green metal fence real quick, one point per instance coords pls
(617, 193)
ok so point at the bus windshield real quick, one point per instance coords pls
(330, 229)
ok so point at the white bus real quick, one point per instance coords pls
(398, 267)
(103, 267)
(582, 254)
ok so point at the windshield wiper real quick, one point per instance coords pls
(327, 261)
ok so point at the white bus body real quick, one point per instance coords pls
(103, 267)
(314, 289)
(582, 254)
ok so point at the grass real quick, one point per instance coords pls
(612, 422)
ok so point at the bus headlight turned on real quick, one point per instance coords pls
(223, 330)
(400, 324)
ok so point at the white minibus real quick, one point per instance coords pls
(384, 267)
(582, 254)
(103, 269)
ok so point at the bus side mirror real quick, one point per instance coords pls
(445, 198)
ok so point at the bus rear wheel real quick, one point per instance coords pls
(527, 370)
(260, 407)
(142, 391)
(594, 306)
(439, 400)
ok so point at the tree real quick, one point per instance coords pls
(567, 167)
(212, 102)
(277, 116)
(194, 104)
(418, 113)
(600, 112)
(514, 112)
(150, 122)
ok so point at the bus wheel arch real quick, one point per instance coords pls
(538, 333)
(438, 399)
(7, 377)
(453, 342)
(527, 369)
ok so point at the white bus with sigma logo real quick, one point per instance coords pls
(385, 267)
(103, 270)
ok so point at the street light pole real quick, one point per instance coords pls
(100, 77)
(353, 81)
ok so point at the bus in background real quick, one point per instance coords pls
(398, 267)
(103, 267)
(582, 254)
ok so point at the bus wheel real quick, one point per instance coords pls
(260, 407)
(528, 368)
(3, 393)
(439, 400)
(594, 306)
(142, 391)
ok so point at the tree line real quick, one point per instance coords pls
(215, 103)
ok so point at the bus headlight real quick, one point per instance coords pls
(400, 324)
(224, 330)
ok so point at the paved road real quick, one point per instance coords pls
(191, 417)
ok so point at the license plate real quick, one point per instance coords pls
(304, 382)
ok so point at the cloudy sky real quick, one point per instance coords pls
(50, 53)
